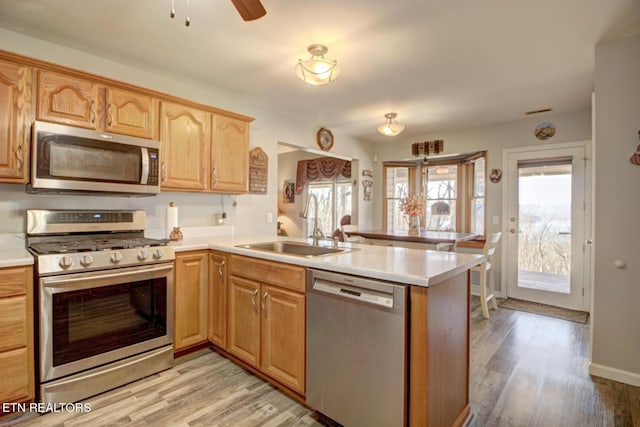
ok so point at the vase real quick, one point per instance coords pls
(414, 225)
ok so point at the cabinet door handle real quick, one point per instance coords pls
(253, 300)
(92, 109)
(19, 155)
(214, 177)
(164, 172)
(220, 271)
(110, 114)
(264, 299)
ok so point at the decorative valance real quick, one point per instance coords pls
(323, 168)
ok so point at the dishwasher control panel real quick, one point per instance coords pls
(369, 295)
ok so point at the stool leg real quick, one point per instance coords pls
(492, 289)
(483, 291)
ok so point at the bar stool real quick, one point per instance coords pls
(484, 269)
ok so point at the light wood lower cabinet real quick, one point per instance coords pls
(16, 334)
(283, 334)
(190, 316)
(266, 321)
(217, 315)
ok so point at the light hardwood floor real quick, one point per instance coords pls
(526, 370)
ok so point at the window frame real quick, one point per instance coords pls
(335, 221)
(465, 186)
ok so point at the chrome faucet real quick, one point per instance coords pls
(304, 214)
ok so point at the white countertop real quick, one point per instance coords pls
(13, 252)
(402, 265)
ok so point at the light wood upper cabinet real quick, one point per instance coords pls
(185, 147)
(203, 151)
(191, 277)
(217, 330)
(15, 122)
(16, 334)
(131, 113)
(69, 100)
(85, 103)
(229, 155)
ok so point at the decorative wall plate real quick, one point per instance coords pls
(545, 130)
(325, 139)
(495, 176)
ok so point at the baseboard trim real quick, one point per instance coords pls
(614, 374)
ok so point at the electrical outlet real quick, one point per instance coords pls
(496, 220)
(269, 217)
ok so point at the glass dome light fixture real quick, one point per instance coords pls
(390, 127)
(317, 70)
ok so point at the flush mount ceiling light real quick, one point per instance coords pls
(391, 127)
(317, 70)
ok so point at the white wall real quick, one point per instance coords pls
(249, 217)
(616, 313)
(570, 127)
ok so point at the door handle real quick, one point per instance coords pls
(513, 231)
(264, 299)
(220, 271)
(253, 300)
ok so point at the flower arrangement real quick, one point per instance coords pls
(414, 205)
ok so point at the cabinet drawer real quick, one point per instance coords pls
(284, 275)
(13, 322)
(14, 371)
(14, 280)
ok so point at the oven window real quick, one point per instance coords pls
(93, 321)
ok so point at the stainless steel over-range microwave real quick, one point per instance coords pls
(66, 158)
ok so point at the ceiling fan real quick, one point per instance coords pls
(249, 9)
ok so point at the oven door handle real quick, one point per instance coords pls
(57, 280)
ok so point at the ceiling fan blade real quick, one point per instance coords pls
(249, 9)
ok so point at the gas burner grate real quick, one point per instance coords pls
(94, 244)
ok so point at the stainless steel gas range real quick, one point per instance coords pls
(104, 301)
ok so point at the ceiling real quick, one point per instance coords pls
(439, 64)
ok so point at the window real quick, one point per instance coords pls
(399, 182)
(477, 204)
(440, 184)
(454, 188)
(334, 202)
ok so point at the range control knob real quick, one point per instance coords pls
(115, 257)
(142, 255)
(65, 262)
(157, 254)
(86, 260)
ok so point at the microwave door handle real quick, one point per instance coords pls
(145, 165)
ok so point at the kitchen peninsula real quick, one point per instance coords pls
(438, 315)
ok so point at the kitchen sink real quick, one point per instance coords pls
(295, 248)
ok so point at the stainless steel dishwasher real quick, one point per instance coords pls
(356, 349)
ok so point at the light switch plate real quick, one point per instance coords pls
(269, 217)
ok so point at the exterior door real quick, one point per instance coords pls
(547, 225)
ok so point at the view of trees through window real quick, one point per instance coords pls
(544, 245)
(455, 193)
(440, 184)
(334, 201)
